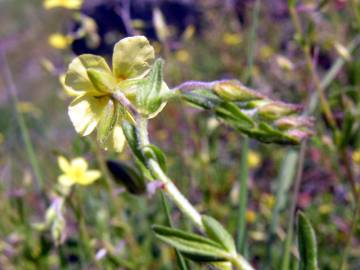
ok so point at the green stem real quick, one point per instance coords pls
(311, 67)
(290, 231)
(39, 182)
(243, 197)
(244, 166)
(172, 191)
(169, 187)
(240, 263)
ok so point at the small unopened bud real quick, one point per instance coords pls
(299, 135)
(290, 122)
(235, 91)
(275, 110)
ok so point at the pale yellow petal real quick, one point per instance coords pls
(68, 90)
(77, 76)
(63, 164)
(65, 180)
(90, 177)
(132, 57)
(79, 164)
(117, 140)
(84, 113)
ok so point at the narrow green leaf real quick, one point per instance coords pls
(192, 246)
(152, 151)
(179, 258)
(307, 244)
(218, 233)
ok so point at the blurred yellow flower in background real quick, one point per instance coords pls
(356, 156)
(250, 216)
(60, 41)
(76, 172)
(254, 159)
(182, 56)
(70, 4)
(232, 39)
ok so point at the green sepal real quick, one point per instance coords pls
(149, 96)
(231, 114)
(109, 117)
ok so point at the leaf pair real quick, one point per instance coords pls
(219, 247)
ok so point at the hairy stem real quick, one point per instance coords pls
(169, 187)
(173, 192)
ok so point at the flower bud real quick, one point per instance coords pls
(299, 135)
(235, 91)
(275, 110)
(289, 122)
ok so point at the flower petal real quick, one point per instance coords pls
(85, 111)
(79, 164)
(117, 140)
(78, 77)
(63, 164)
(65, 180)
(90, 177)
(132, 57)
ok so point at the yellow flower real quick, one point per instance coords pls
(76, 172)
(59, 41)
(96, 85)
(356, 156)
(268, 200)
(254, 159)
(182, 56)
(70, 4)
(250, 216)
(232, 39)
